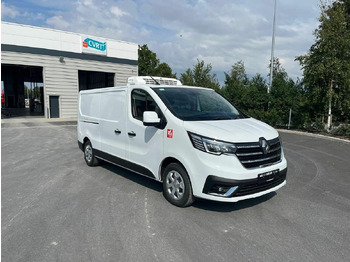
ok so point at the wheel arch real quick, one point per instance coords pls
(167, 161)
(85, 140)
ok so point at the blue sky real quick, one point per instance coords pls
(220, 32)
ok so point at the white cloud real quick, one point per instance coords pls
(118, 12)
(8, 11)
(58, 22)
(220, 32)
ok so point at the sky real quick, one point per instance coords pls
(220, 32)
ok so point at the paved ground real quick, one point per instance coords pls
(56, 208)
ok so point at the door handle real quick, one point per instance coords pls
(117, 131)
(132, 133)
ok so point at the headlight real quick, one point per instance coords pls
(212, 146)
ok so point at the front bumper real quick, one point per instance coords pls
(230, 188)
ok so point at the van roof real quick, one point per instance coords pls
(116, 88)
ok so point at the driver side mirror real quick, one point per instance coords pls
(150, 118)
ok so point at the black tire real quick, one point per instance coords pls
(89, 155)
(177, 187)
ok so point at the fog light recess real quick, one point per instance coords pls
(223, 191)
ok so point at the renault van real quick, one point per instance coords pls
(191, 139)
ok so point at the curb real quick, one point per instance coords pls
(314, 135)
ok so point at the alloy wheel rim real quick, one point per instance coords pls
(175, 185)
(88, 153)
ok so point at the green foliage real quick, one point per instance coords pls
(343, 130)
(32, 92)
(149, 64)
(236, 83)
(327, 64)
(314, 127)
(250, 95)
(200, 75)
(148, 61)
(164, 70)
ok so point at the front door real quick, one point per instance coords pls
(145, 142)
(54, 107)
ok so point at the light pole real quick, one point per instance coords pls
(272, 48)
(329, 118)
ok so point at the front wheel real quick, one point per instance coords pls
(177, 188)
(89, 155)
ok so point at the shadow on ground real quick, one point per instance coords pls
(199, 203)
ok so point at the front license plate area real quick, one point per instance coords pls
(268, 176)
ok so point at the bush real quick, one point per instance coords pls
(317, 126)
(342, 130)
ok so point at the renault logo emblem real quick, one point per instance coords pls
(265, 147)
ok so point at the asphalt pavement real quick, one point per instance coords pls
(56, 208)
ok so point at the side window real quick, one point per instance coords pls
(141, 101)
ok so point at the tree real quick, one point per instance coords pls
(236, 82)
(277, 69)
(285, 95)
(164, 70)
(250, 95)
(149, 64)
(200, 75)
(255, 98)
(327, 64)
(148, 61)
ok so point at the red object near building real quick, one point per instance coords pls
(2, 96)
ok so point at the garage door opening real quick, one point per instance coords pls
(23, 91)
(91, 80)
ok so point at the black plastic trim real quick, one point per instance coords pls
(43, 51)
(245, 187)
(90, 122)
(124, 163)
(80, 144)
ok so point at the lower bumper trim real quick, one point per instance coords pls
(245, 187)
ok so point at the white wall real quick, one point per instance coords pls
(24, 35)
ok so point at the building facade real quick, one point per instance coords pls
(43, 70)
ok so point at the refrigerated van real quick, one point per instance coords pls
(191, 139)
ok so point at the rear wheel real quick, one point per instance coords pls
(177, 188)
(89, 155)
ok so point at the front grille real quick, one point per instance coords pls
(251, 155)
(256, 187)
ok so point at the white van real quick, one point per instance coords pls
(191, 139)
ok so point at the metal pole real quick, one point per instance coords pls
(290, 118)
(329, 118)
(272, 48)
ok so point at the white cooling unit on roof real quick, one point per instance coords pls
(154, 80)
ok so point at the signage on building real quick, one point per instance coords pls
(93, 46)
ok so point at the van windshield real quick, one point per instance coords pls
(195, 104)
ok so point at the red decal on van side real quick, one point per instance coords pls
(169, 133)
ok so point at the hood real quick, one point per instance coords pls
(237, 130)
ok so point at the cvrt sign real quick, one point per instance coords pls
(92, 46)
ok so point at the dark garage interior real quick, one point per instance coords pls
(23, 93)
(91, 80)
